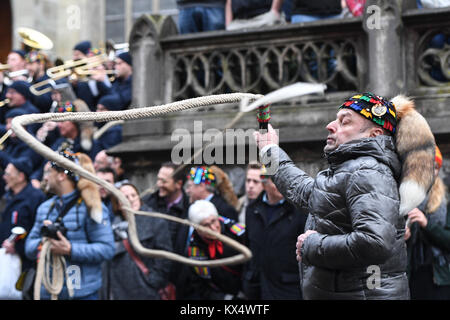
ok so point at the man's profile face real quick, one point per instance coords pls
(195, 191)
(165, 183)
(15, 97)
(50, 178)
(122, 68)
(348, 126)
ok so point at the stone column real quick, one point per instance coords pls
(382, 22)
(148, 58)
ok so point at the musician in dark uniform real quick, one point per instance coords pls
(37, 65)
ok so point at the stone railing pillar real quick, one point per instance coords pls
(382, 22)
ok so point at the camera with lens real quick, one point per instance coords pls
(51, 230)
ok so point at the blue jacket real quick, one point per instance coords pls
(84, 92)
(92, 243)
(123, 88)
(112, 137)
(44, 101)
(30, 108)
(15, 148)
(20, 211)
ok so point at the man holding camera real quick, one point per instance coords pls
(64, 219)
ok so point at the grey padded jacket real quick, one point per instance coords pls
(359, 250)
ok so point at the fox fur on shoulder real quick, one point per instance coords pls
(437, 194)
(225, 187)
(89, 190)
(416, 148)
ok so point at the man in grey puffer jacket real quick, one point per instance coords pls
(353, 246)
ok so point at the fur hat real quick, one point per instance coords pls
(200, 210)
(375, 108)
(224, 186)
(416, 148)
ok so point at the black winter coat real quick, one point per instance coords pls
(20, 211)
(272, 273)
(122, 278)
(354, 207)
(246, 9)
(205, 283)
(224, 208)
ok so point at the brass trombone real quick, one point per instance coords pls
(3, 139)
(36, 88)
(4, 102)
(71, 64)
(4, 67)
(75, 70)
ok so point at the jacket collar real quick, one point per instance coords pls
(381, 147)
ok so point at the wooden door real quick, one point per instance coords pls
(5, 29)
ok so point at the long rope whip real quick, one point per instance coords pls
(19, 122)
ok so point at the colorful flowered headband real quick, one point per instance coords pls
(67, 107)
(94, 52)
(68, 154)
(375, 108)
(34, 56)
(202, 175)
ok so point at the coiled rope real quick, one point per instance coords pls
(19, 122)
(58, 263)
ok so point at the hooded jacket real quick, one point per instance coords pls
(359, 250)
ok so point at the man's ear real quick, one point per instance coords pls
(376, 131)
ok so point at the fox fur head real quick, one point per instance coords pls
(224, 186)
(416, 148)
(89, 190)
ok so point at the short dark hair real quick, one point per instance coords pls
(179, 173)
(108, 170)
(129, 184)
(369, 124)
(254, 165)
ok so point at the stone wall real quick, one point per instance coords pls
(65, 22)
(387, 56)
